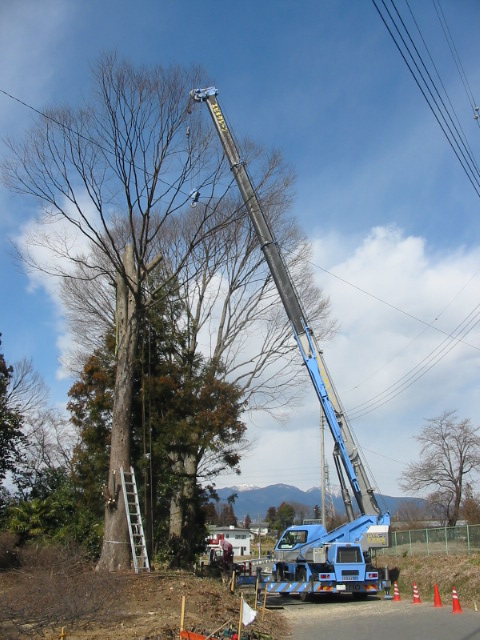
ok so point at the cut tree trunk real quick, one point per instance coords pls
(116, 554)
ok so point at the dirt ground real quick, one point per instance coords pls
(447, 572)
(48, 594)
(90, 606)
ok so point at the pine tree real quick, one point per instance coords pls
(11, 436)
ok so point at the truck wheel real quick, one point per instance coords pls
(301, 574)
(278, 574)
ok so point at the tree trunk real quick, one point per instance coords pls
(116, 555)
(186, 474)
(176, 503)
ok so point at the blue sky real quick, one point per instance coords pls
(391, 214)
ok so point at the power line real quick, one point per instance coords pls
(417, 372)
(389, 304)
(451, 340)
(414, 61)
(462, 135)
(421, 332)
(456, 58)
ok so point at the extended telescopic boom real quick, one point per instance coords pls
(345, 447)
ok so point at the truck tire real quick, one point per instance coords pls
(278, 573)
(301, 576)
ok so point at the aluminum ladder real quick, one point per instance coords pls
(134, 519)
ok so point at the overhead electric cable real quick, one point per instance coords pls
(471, 174)
(420, 369)
(456, 58)
(451, 340)
(433, 358)
(407, 346)
(389, 304)
(462, 132)
(445, 111)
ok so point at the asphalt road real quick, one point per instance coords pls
(344, 619)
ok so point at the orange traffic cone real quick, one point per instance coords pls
(437, 601)
(416, 596)
(456, 602)
(396, 593)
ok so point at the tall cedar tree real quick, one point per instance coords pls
(180, 409)
(11, 436)
(90, 406)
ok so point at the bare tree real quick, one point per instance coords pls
(49, 438)
(412, 514)
(108, 177)
(114, 181)
(450, 452)
(232, 310)
(26, 390)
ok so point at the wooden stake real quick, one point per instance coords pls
(264, 603)
(240, 619)
(182, 615)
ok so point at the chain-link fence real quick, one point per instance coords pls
(438, 540)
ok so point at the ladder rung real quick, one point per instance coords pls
(134, 519)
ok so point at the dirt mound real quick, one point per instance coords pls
(47, 589)
(459, 571)
(93, 606)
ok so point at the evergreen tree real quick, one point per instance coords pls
(11, 436)
(90, 406)
(181, 412)
(271, 516)
(285, 516)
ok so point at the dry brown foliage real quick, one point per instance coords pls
(50, 587)
(54, 588)
(459, 571)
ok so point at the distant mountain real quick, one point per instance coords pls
(256, 501)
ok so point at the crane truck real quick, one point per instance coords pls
(308, 559)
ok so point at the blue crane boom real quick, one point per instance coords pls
(345, 447)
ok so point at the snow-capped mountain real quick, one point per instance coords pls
(255, 501)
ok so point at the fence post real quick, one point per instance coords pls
(446, 541)
(426, 539)
(468, 540)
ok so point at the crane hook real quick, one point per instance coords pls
(194, 195)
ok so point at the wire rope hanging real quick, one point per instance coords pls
(194, 194)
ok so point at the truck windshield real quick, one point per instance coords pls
(349, 554)
(292, 538)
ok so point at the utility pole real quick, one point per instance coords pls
(322, 456)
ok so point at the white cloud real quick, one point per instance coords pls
(47, 246)
(380, 349)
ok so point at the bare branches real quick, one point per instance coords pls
(233, 312)
(48, 438)
(450, 452)
(113, 182)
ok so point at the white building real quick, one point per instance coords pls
(238, 538)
